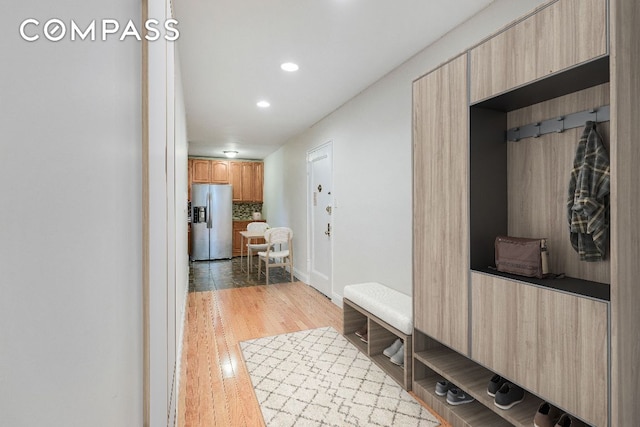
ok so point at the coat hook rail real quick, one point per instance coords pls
(559, 124)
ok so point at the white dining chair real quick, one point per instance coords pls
(279, 252)
(254, 248)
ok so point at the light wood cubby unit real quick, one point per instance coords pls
(520, 188)
(558, 36)
(380, 336)
(441, 199)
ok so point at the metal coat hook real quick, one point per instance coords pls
(559, 124)
(537, 126)
(561, 120)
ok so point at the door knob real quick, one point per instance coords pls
(328, 232)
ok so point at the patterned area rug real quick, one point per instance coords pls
(318, 378)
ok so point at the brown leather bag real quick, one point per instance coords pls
(521, 256)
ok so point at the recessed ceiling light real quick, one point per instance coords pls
(263, 104)
(230, 154)
(289, 66)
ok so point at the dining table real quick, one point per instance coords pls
(248, 236)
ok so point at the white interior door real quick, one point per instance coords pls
(319, 166)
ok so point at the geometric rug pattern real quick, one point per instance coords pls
(318, 378)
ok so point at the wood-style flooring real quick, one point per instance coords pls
(215, 387)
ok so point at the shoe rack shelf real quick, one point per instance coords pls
(434, 362)
(380, 336)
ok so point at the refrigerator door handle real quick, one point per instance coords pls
(209, 222)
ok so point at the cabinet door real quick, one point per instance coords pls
(219, 172)
(549, 342)
(258, 181)
(441, 199)
(557, 37)
(235, 180)
(236, 244)
(201, 171)
(247, 181)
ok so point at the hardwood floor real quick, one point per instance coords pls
(215, 389)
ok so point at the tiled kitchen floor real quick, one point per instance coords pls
(226, 274)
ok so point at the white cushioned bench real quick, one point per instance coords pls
(385, 303)
(387, 314)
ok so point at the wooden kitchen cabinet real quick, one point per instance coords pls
(258, 181)
(236, 180)
(219, 172)
(247, 179)
(200, 171)
(203, 171)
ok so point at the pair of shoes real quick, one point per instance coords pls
(549, 416)
(442, 387)
(455, 397)
(506, 395)
(363, 334)
(395, 352)
(362, 331)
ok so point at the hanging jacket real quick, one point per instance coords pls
(588, 199)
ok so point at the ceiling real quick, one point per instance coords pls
(230, 53)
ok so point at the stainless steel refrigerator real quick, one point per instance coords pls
(211, 223)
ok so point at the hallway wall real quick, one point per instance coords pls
(70, 222)
(371, 134)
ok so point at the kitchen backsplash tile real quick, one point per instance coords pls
(243, 211)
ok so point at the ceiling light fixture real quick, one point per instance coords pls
(263, 104)
(230, 154)
(289, 66)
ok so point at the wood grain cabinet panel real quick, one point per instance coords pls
(235, 179)
(441, 163)
(201, 171)
(247, 179)
(551, 343)
(219, 172)
(258, 182)
(563, 34)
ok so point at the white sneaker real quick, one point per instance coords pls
(393, 348)
(398, 358)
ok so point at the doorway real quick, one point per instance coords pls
(320, 214)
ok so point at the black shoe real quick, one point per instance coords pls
(494, 385)
(508, 396)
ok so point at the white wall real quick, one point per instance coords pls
(371, 137)
(181, 198)
(70, 222)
